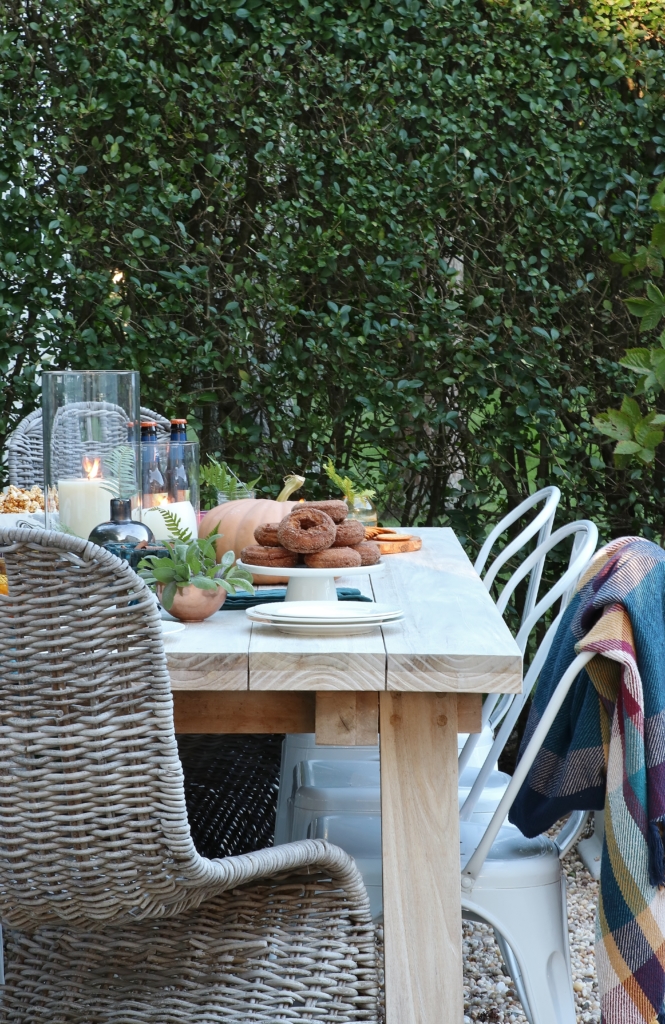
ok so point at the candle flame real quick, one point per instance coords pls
(91, 468)
(160, 500)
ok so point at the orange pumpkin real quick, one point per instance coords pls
(237, 520)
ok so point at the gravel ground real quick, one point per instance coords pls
(489, 994)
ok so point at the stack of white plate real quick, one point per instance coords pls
(324, 618)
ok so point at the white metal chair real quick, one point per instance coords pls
(541, 524)
(517, 886)
(506, 711)
(500, 706)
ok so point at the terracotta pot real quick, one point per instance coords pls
(193, 605)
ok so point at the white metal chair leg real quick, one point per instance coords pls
(591, 849)
(533, 922)
(511, 963)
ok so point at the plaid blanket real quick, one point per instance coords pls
(606, 748)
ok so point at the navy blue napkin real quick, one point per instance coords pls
(238, 602)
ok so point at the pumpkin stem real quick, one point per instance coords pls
(291, 483)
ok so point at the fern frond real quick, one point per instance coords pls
(175, 527)
(120, 467)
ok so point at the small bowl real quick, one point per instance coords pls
(193, 605)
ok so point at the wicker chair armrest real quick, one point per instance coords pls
(314, 854)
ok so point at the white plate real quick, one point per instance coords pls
(324, 612)
(303, 571)
(339, 629)
(169, 628)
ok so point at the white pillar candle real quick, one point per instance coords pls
(184, 510)
(83, 504)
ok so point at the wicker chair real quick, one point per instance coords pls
(25, 446)
(110, 915)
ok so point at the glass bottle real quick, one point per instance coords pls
(155, 492)
(179, 489)
(145, 456)
(121, 529)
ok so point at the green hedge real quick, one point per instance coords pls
(264, 207)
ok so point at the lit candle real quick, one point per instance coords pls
(184, 510)
(84, 502)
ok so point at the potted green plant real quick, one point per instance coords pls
(188, 581)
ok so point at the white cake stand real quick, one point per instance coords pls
(312, 584)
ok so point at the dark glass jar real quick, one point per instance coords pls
(122, 528)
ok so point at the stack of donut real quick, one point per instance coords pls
(316, 534)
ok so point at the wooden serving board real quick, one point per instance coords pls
(397, 547)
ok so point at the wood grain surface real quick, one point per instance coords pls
(469, 712)
(228, 712)
(421, 871)
(347, 718)
(399, 546)
(451, 636)
(339, 717)
(209, 671)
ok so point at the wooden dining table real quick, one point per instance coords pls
(416, 682)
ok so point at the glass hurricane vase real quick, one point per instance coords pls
(91, 446)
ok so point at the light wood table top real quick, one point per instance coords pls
(452, 639)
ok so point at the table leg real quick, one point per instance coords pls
(421, 870)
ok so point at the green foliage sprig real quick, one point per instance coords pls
(220, 478)
(638, 434)
(346, 485)
(192, 562)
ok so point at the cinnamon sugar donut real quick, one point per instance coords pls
(369, 551)
(266, 535)
(349, 534)
(256, 554)
(336, 509)
(306, 530)
(334, 558)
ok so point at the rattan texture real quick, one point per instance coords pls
(231, 789)
(25, 446)
(110, 914)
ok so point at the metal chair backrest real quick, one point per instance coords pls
(93, 822)
(474, 865)
(541, 524)
(507, 706)
(25, 451)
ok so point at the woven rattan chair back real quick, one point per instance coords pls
(25, 453)
(109, 914)
(92, 810)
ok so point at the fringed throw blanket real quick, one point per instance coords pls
(606, 748)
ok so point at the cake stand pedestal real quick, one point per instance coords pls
(312, 584)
